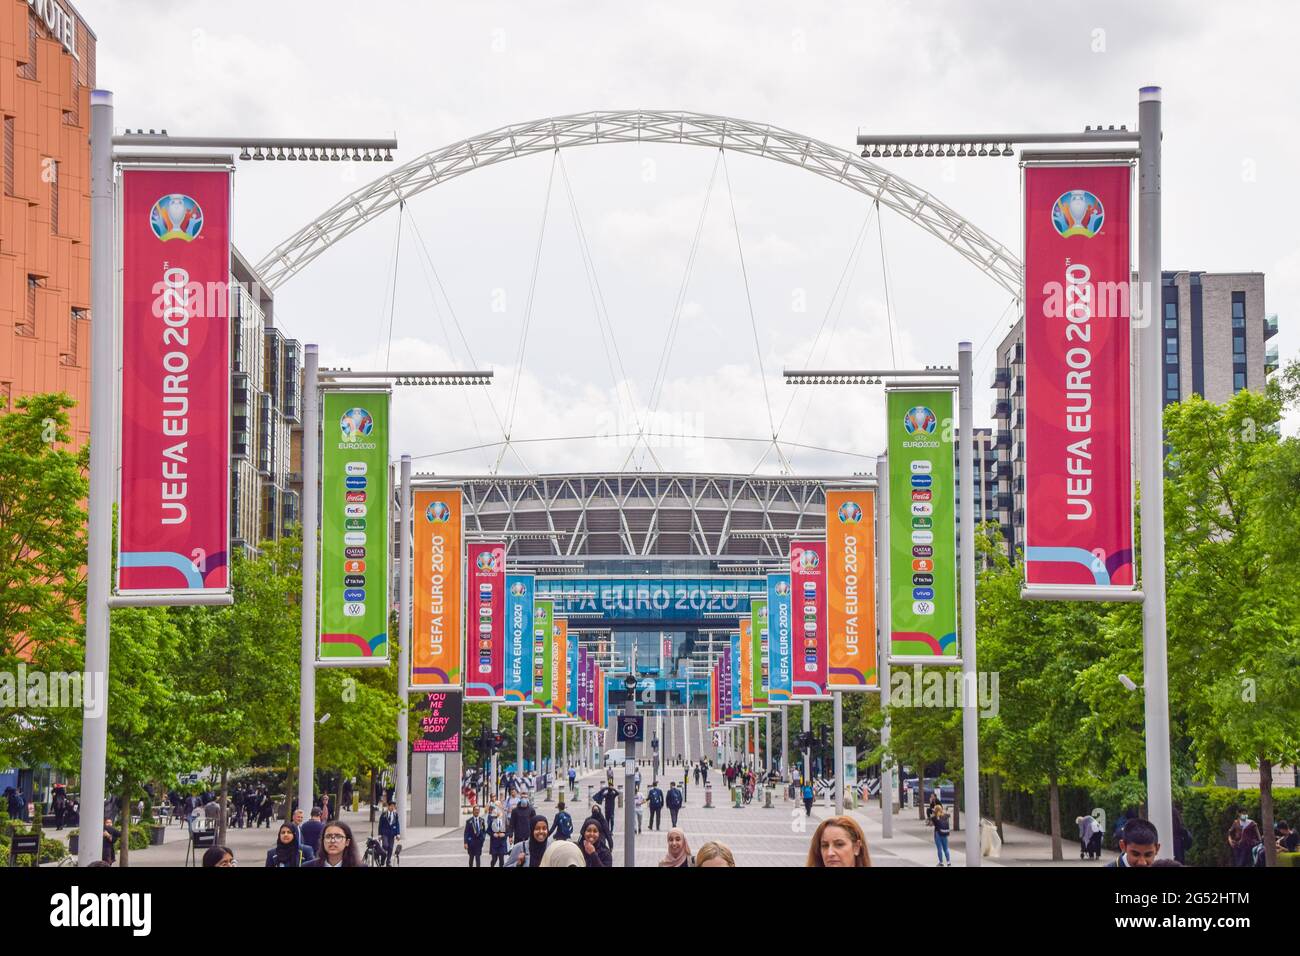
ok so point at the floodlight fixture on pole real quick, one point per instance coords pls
(272, 148)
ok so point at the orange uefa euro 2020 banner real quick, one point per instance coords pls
(851, 588)
(436, 631)
(746, 665)
(560, 667)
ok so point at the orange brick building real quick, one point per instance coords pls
(47, 69)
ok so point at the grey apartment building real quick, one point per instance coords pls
(266, 411)
(1216, 341)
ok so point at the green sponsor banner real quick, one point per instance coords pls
(759, 635)
(543, 632)
(922, 524)
(354, 525)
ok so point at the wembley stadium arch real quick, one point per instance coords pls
(653, 569)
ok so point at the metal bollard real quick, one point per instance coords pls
(736, 798)
(708, 797)
(767, 798)
(550, 795)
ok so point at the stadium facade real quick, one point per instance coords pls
(651, 568)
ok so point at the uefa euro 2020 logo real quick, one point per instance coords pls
(920, 419)
(176, 216)
(850, 513)
(518, 589)
(782, 589)
(356, 423)
(1078, 213)
(437, 512)
(804, 560)
(489, 562)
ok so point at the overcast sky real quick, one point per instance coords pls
(433, 74)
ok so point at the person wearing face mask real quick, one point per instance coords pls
(498, 836)
(521, 820)
(838, 842)
(288, 852)
(679, 851)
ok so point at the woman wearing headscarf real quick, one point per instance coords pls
(606, 838)
(679, 851)
(529, 852)
(288, 852)
(594, 844)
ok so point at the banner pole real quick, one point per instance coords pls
(969, 714)
(310, 519)
(1154, 640)
(403, 638)
(99, 517)
(807, 754)
(496, 725)
(519, 741)
(837, 754)
(883, 645)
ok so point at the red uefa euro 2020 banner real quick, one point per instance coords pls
(174, 518)
(1078, 439)
(485, 658)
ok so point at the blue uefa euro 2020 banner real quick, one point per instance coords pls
(520, 589)
(779, 637)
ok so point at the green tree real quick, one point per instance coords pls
(150, 716)
(244, 660)
(1234, 609)
(42, 554)
(1038, 649)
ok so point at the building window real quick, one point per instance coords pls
(1171, 315)
(1171, 381)
(6, 389)
(28, 325)
(53, 166)
(9, 156)
(28, 70)
(1238, 341)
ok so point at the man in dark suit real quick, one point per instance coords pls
(389, 827)
(311, 831)
(475, 833)
(1138, 845)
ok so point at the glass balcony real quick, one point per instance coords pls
(1270, 359)
(1270, 326)
(1001, 378)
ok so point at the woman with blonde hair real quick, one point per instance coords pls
(714, 854)
(838, 841)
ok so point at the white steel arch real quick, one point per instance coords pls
(641, 126)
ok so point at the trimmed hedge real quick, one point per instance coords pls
(1207, 812)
